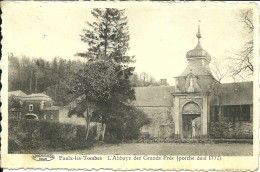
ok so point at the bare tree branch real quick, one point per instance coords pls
(242, 61)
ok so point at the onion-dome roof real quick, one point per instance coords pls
(198, 52)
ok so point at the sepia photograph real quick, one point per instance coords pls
(148, 80)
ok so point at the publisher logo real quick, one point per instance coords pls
(43, 157)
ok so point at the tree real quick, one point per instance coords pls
(125, 123)
(13, 71)
(60, 79)
(13, 102)
(41, 76)
(143, 80)
(242, 62)
(38, 76)
(220, 72)
(107, 37)
(94, 85)
(104, 84)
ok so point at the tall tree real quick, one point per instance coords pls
(105, 80)
(107, 37)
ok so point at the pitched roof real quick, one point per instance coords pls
(37, 97)
(197, 68)
(240, 93)
(154, 96)
(17, 93)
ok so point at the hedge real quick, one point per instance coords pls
(30, 136)
(229, 130)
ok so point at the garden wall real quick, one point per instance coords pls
(162, 125)
(230, 130)
(30, 136)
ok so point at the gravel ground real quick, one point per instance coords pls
(195, 149)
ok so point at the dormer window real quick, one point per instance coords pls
(30, 107)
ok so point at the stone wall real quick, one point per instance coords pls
(229, 130)
(162, 124)
(202, 83)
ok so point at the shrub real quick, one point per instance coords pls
(27, 136)
(228, 130)
(125, 124)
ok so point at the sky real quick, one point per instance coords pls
(160, 35)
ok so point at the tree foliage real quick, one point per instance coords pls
(124, 123)
(143, 80)
(14, 103)
(96, 81)
(107, 37)
(104, 85)
(36, 75)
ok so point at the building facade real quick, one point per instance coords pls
(198, 106)
(40, 106)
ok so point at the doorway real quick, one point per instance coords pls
(191, 126)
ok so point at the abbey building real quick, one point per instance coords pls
(198, 106)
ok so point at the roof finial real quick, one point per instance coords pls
(198, 34)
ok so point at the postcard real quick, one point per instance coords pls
(130, 85)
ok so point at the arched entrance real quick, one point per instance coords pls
(191, 121)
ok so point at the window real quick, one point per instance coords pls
(214, 113)
(31, 107)
(237, 113)
(216, 117)
(245, 113)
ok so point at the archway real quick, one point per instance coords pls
(191, 121)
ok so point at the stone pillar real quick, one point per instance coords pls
(205, 118)
(180, 122)
(177, 116)
(208, 122)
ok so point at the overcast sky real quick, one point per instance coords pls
(160, 35)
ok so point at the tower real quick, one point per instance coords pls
(191, 98)
(197, 71)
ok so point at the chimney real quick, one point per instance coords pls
(163, 82)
